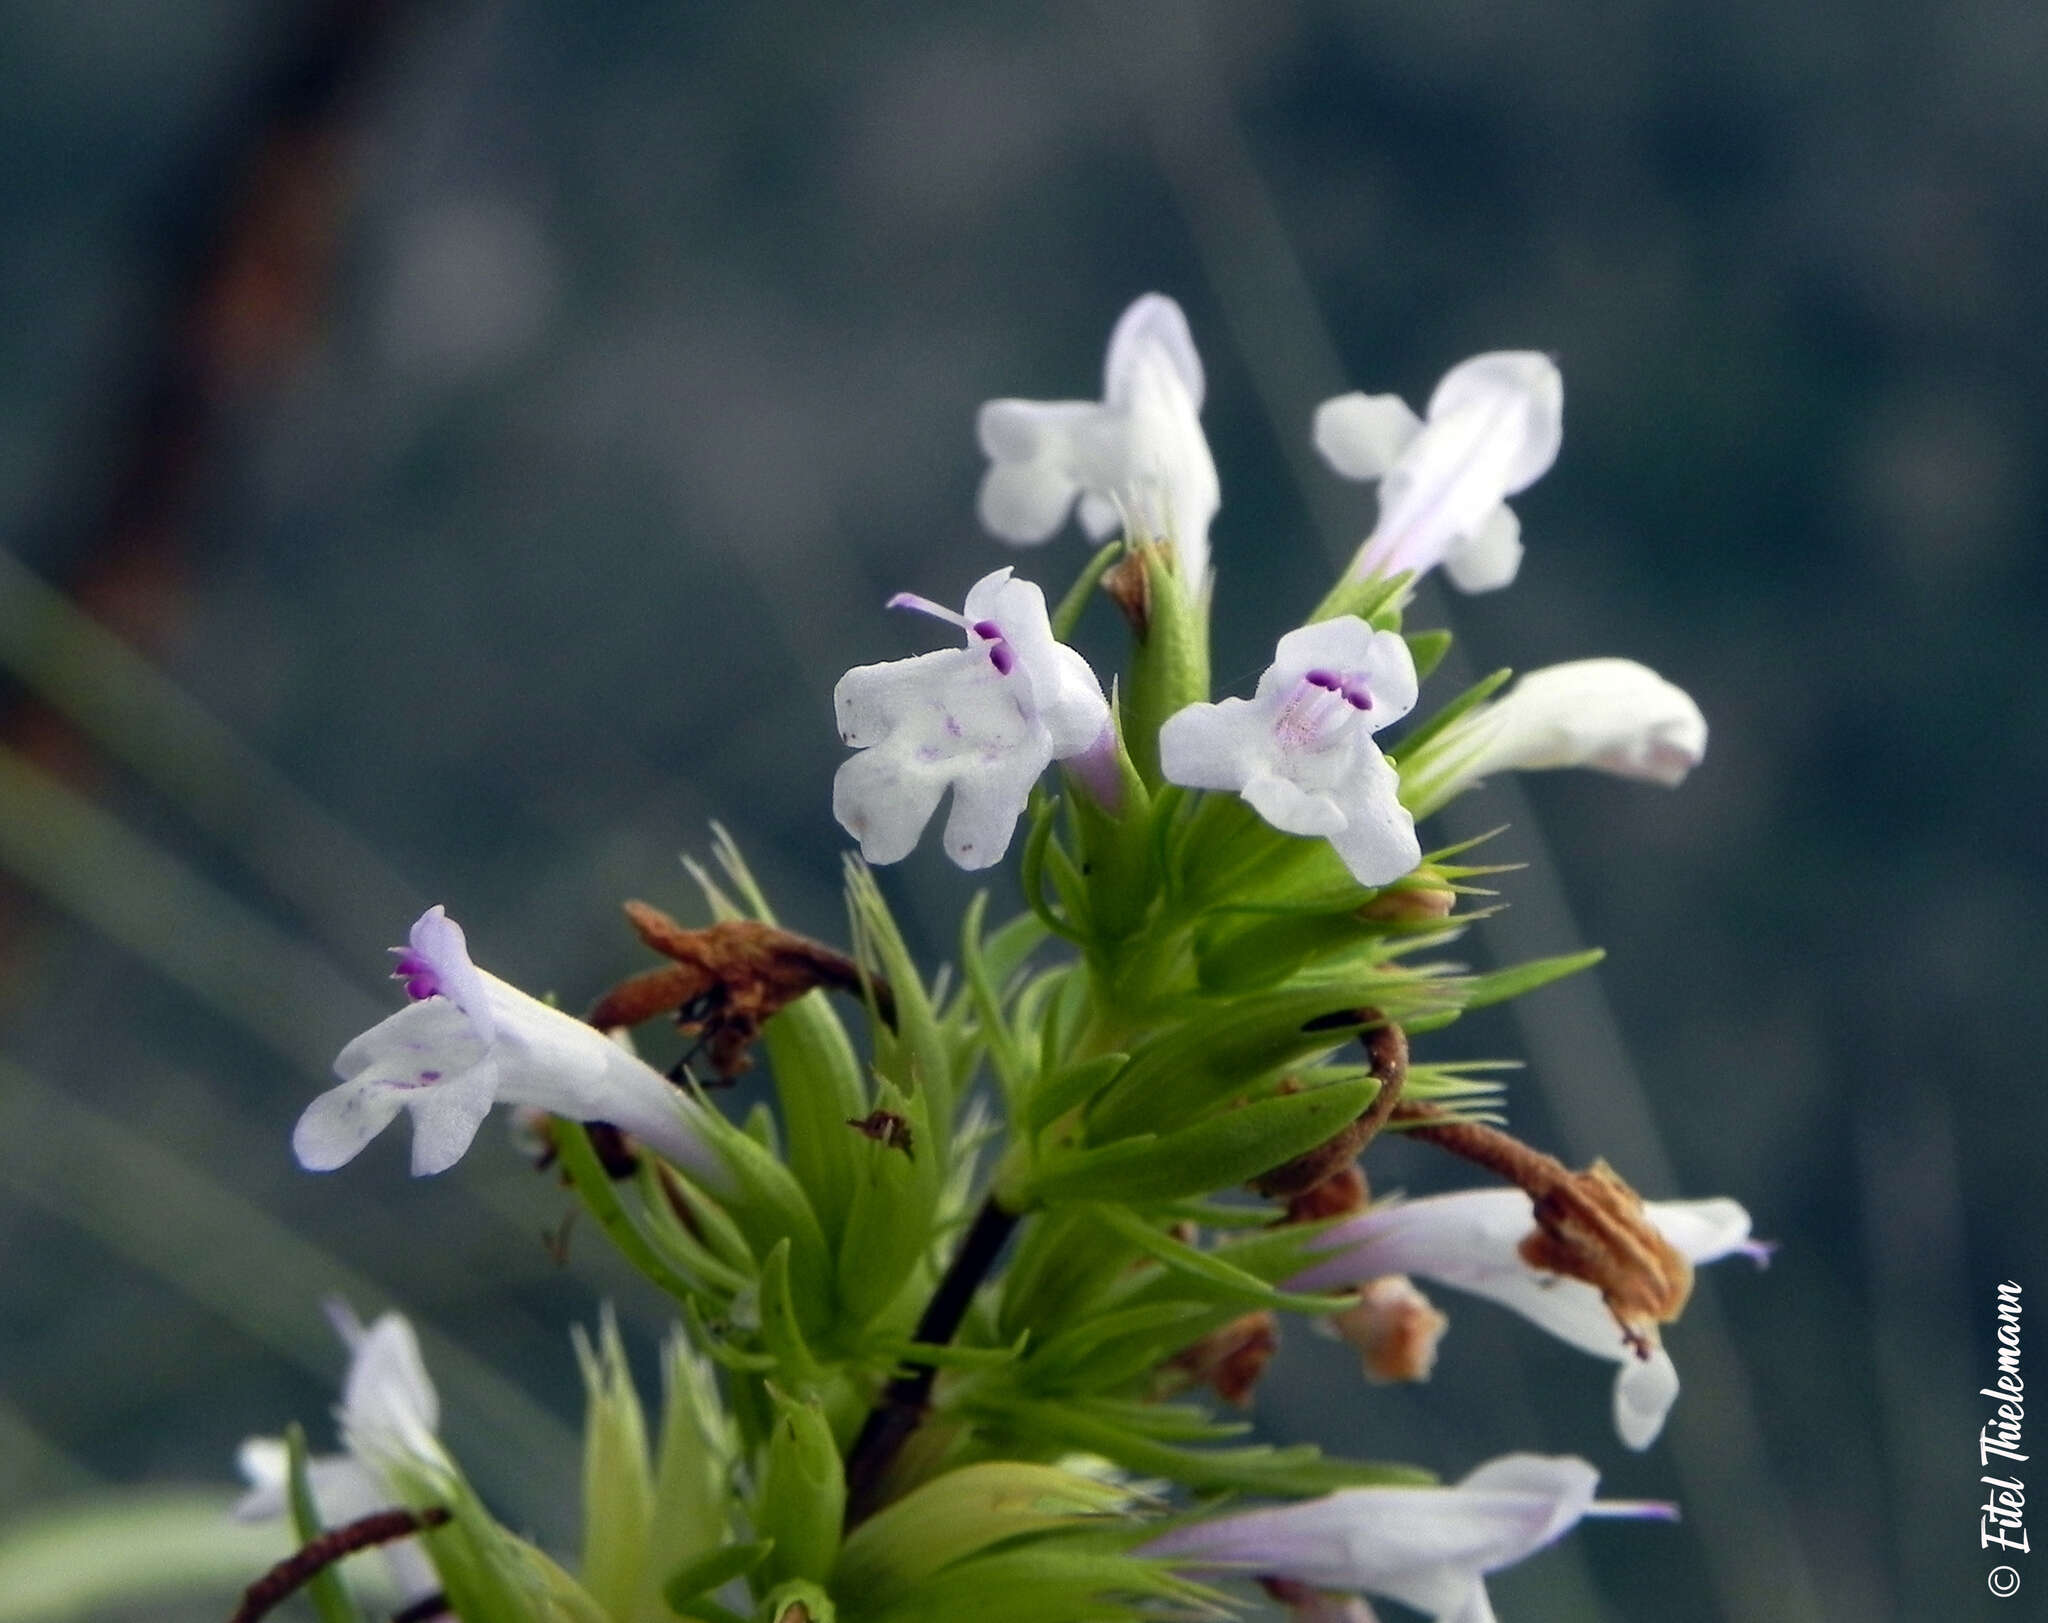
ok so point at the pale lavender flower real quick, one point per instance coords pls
(1429, 1548)
(1301, 750)
(1493, 429)
(1470, 1240)
(983, 720)
(470, 1041)
(1137, 456)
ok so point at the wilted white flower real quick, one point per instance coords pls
(1140, 449)
(1301, 751)
(1471, 1240)
(470, 1041)
(983, 720)
(1429, 1548)
(1493, 429)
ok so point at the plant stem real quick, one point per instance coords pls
(906, 1400)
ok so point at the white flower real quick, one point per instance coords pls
(1494, 426)
(1469, 1240)
(470, 1041)
(1429, 1548)
(1300, 750)
(389, 1410)
(1140, 449)
(1609, 714)
(984, 720)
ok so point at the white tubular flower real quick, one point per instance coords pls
(389, 1410)
(983, 720)
(1429, 1548)
(1140, 449)
(1300, 750)
(1612, 715)
(1470, 1241)
(470, 1041)
(1494, 426)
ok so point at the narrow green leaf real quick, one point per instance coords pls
(701, 1576)
(330, 1599)
(1502, 984)
(1071, 606)
(600, 1197)
(1210, 1269)
(1230, 1148)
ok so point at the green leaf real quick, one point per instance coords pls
(1230, 1148)
(1013, 1067)
(958, 1514)
(1373, 598)
(618, 1481)
(1477, 991)
(601, 1198)
(1155, 1330)
(1169, 666)
(1413, 742)
(1071, 606)
(1295, 1472)
(1428, 649)
(1227, 1281)
(1066, 1090)
(705, 1574)
(803, 1492)
(895, 1200)
(325, 1590)
(780, 1333)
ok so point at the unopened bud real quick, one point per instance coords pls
(1416, 900)
(1395, 1329)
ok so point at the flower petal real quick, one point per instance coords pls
(1377, 842)
(333, 1129)
(986, 806)
(446, 1116)
(438, 943)
(1153, 322)
(1292, 809)
(1488, 558)
(1203, 746)
(1362, 435)
(1644, 1390)
(1519, 395)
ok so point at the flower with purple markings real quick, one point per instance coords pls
(468, 1041)
(1301, 750)
(1136, 457)
(1470, 1240)
(983, 720)
(1494, 426)
(1429, 1548)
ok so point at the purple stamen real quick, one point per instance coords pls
(987, 630)
(1327, 680)
(1003, 657)
(1356, 693)
(924, 605)
(420, 980)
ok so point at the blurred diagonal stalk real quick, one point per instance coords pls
(246, 969)
(162, 1214)
(1574, 1043)
(127, 707)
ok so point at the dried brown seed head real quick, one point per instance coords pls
(1395, 1329)
(1592, 1226)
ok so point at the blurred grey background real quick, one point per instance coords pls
(505, 422)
